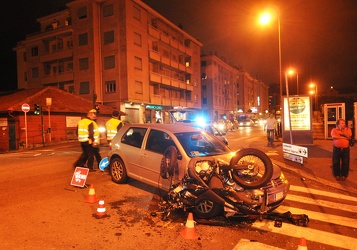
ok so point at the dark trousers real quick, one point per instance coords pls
(340, 161)
(86, 156)
(270, 135)
(97, 155)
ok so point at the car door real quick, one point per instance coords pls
(131, 147)
(156, 143)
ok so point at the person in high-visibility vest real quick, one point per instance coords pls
(88, 135)
(113, 125)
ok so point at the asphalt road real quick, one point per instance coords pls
(41, 210)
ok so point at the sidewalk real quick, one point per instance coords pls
(317, 166)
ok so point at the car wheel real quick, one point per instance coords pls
(118, 171)
(207, 209)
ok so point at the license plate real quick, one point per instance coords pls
(279, 196)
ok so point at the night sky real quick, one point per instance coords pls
(318, 37)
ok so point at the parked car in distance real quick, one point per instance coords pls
(137, 152)
(246, 123)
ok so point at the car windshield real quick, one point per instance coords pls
(201, 144)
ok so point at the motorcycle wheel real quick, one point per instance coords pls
(207, 209)
(259, 168)
(168, 162)
(118, 171)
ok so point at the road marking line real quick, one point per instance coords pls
(324, 193)
(321, 203)
(329, 218)
(245, 244)
(332, 239)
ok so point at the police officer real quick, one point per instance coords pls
(88, 135)
(113, 125)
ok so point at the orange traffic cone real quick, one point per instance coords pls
(91, 195)
(101, 211)
(189, 231)
(302, 244)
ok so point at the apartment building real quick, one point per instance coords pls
(228, 90)
(119, 53)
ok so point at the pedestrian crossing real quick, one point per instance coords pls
(333, 220)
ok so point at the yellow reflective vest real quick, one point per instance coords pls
(88, 131)
(96, 134)
(112, 127)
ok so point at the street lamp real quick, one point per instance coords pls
(292, 72)
(264, 19)
(313, 91)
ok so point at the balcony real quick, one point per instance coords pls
(164, 38)
(154, 32)
(155, 99)
(174, 43)
(57, 78)
(67, 53)
(155, 77)
(182, 48)
(154, 55)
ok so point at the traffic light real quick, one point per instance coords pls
(97, 108)
(37, 110)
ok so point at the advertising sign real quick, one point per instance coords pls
(300, 116)
(79, 177)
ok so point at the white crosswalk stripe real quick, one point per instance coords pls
(316, 209)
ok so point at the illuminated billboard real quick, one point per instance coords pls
(300, 115)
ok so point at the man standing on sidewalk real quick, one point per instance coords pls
(270, 126)
(341, 150)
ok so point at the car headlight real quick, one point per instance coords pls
(203, 167)
(101, 129)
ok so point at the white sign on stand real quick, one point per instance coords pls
(294, 158)
(296, 150)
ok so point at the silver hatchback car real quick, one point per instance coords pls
(137, 151)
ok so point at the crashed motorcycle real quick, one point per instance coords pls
(213, 187)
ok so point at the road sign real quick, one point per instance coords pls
(79, 177)
(296, 150)
(104, 163)
(295, 158)
(25, 107)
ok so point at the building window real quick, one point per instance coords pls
(34, 51)
(109, 37)
(204, 100)
(71, 89)
(203, 76)
(110, 87)
(109, 62)
(84, 88)
(203, 63)
(108, 10)
(82, 13)
(155, 46)
(137, 39)
(34, 72)
(82, 39)
(138, 63)
(24, 56)
(70, 67)
(137, 13)
(83, 63)
(166, 53)
(138, 87)
(25, 76)
(156, 89)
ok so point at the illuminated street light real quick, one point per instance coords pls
(265, 19)
(292, 72)
(313, 91)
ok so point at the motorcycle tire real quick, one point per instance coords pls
(259, 169)
(168, 162)
(207, 209)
